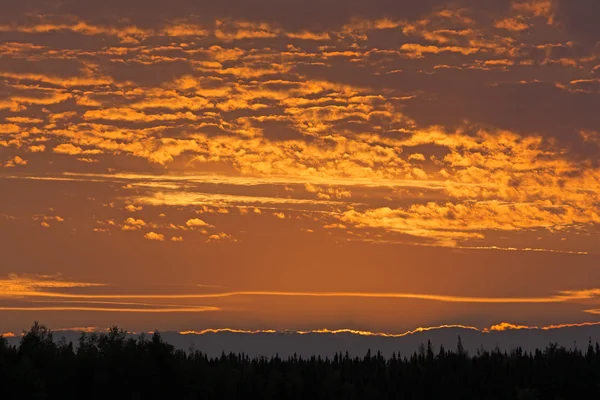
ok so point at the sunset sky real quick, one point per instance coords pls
(377, 165)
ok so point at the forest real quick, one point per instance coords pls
(113, 365)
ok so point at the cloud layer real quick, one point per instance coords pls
(183, 137)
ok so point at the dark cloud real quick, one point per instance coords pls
(298, 14)
(579, 18)
(534, 108)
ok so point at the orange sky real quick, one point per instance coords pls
(296, 165)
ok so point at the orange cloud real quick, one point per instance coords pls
(464, 221)
(24, 120)
(196, 222)
(112, 309)
(37, 148)
(15, 161)
(27, 285)
(219, 237)
(414, 50)
(220, 330)
(537, 8)
(306, 35)
(241, 30)
(155, 236)
(129, 114)
(429, 297)
(507, 326)
(512, 24)
(64, 82)
(134, 224)
(72, 150)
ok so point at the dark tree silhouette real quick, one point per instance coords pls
(117, 365)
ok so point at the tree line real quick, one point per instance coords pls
(113, 365)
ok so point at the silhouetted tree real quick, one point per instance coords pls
(118, 365)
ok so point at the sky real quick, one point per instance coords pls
(374, 165)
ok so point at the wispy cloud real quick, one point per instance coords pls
(18, 287)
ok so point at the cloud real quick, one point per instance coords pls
(14, 162)
(468, 221)
(155, 236)
(134, 224)
(30, 287)
(416, 157)
(37, 148)
(51, 293)
(512, 24)
(157, 309)
(507, 326)
(220, 237)
(414, 50)
(469, 126)
(212, 199)
(196, 222)
(64, 82)
(56, 218)
(72, 150)
(24, 120)
(128, 114)
(537, 8)
(306, 35)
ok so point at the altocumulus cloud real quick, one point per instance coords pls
(155, 236)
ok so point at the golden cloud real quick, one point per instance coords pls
(155, 236)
